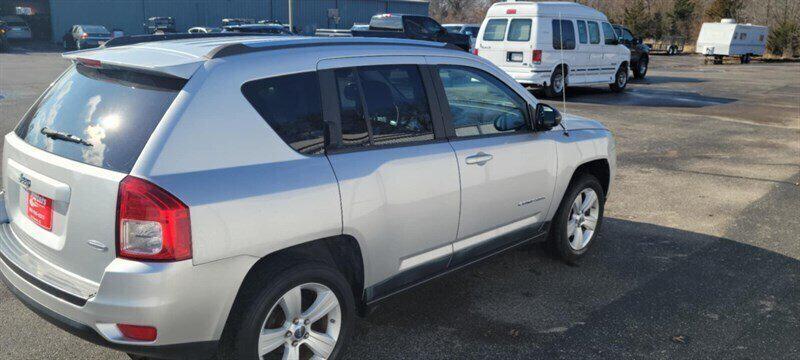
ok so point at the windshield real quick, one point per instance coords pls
(113, 112)
(95, 29)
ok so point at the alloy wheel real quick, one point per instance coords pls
(583, 217)
(304, 324)
(622, 78)
(558, 83)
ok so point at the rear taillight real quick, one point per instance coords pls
(84, 36)
(537, 56)
(151, 223)
(136, 332)
(475, 51)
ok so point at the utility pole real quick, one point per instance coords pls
(291, 23)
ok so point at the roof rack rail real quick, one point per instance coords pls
(138, 39)
(239, 48)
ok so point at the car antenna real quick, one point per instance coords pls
(563, 74)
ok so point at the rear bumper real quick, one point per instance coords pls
(19, 35)
(187, 304)
(528, 76)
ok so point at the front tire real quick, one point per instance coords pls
(557, 86)
(294, 310)
(578, 218)
(640, 69)
(620, 79)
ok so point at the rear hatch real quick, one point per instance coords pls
(507, 43)
(63, 164)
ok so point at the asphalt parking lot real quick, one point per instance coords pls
(699, 255)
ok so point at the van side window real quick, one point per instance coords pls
(563, 35)
(594, 32)
(519, 30)
(495, 30)
(382, 105)
(610, 36)
(480, 104)
(582, 37)
(292, 106)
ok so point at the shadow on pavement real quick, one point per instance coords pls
(644, 291)
(24, 48)
(653, 79)
(643, 97)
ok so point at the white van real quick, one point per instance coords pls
(727, 38)
(531, 41)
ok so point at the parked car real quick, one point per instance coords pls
(204, 30)
(18, 29)
(267, 29)
(3, 40)
(415, 27)
(127, 227)
(470, 30)
(727, 38)
(640, 53)
(85, 36)
(553, 45)
(159, 25)
(237, 21)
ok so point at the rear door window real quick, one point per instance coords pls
(292, 106)
(495, 30)
(519, 30)
(563, 35)
(383, 105)
(108, 115)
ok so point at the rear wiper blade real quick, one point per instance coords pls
(58, 135)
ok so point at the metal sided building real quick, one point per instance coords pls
(307, 15)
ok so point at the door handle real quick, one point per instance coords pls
(479, 158)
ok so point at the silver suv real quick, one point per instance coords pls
(246, 197)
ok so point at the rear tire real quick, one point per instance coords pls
(640, 68)
(620, 79)
(563, 239)
(557, 86)
(259, 308)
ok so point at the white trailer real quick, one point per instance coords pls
(728, 38)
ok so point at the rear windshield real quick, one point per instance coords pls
(95, 29)
(495, 30)
(16, 23)
(385, 22)
(110, 115)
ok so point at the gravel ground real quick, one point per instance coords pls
(698, 257)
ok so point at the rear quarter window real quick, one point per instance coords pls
(292, 106)
(113, 112)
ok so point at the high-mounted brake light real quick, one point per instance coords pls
(89, 62)
(537, 56)
(152, 224)
(511, 11)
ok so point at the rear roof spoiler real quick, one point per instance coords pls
(141, 59)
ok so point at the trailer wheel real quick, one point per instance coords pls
(745, 59)
(718, 60)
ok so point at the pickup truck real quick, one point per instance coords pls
(414, 27)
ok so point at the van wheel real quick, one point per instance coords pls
(294, 309)
(620, 79)
(578, 218)
(640, 69)
(557, 84)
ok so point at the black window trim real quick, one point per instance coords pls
(447, 116)
(332, 116)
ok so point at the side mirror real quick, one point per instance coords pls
(545, 117)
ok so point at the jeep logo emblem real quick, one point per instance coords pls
(24, 181)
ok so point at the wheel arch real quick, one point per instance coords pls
(342, 252)
(599, 168)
